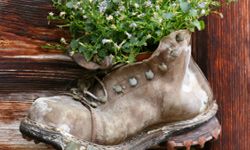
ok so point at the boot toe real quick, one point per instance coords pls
(62, 113)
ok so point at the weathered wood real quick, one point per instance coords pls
(24, 65)
(225, 45)
(10, 137)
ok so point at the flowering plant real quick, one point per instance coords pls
(124, 28)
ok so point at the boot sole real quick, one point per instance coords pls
(196, 137)
(61, 140)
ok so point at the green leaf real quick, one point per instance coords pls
(82, 49)
(131, 58)
(199, 24)
(74, 44)
(185, 6)
(168, 15)
(203, 25)
(102, 53)
(193, 12)
(88, 53)
(116, 1)
(191, 29)
(69, 4)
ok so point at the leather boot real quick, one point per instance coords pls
(136, 105)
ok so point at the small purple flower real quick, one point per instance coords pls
(103, 6)
(133, 25)
(202, 5)
(148, 3)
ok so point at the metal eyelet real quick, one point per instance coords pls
(174, 53)
(132, 81)
(117, 89)
(149, 75)
(163, 67)
(179, 37)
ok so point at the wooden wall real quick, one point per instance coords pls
(26, 67)
(223, 52)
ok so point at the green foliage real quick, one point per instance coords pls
(123, 28)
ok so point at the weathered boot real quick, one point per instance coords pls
(146, 102)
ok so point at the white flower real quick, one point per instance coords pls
(134, 13)
(155, 15)
(133, 25)
(203, 11)
(51, 14)
(141, 15)
(62, 14)
(117, 13)
(113, 27)
(148, 3)
(202, 4)
(63, 41)
(71, 53)
(148, 36)
(78, 3)
(128, 34)
(157, 18)
(174, 4)
(122, 17)
(136, 5)
(104, 41)
(160, 20)
(121, 8)
(120, 45)
(157, 7)
(110, 17)
(103, 6)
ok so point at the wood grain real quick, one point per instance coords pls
(24, 65)
(225, 45)
(10, 137)
(26, 68)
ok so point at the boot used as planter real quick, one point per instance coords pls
(133, 107)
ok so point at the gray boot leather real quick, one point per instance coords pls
(145, 103)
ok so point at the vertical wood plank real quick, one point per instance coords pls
(225, 45)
